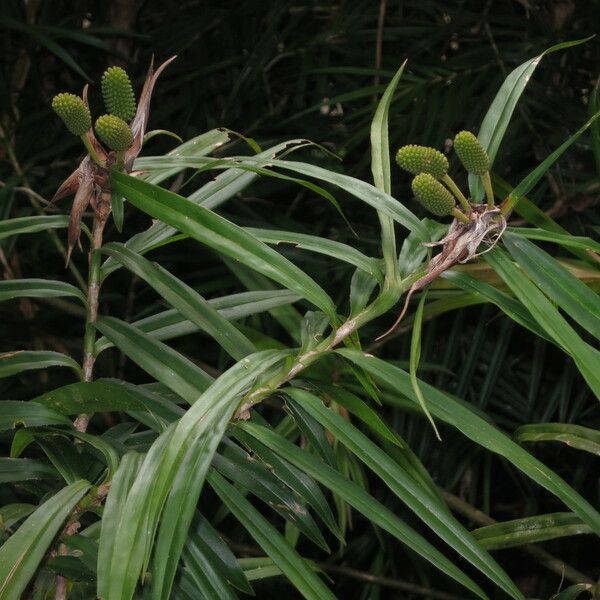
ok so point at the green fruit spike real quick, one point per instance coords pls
(475, 159)
(117, 92)
(74, 113)
(471, 153)
(114, 132)
(435, 197)
(422, 159)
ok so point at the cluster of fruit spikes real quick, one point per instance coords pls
(430, 168)
(112, 128)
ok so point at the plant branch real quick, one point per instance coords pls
(93, 294)
(386, 300)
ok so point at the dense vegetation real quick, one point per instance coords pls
(238, 422)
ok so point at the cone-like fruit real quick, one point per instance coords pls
(117, 92)
(114, 132)
(471, 153)
(74, 113)
(433, 195)
(422, 159)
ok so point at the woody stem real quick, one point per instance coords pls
(93, 294)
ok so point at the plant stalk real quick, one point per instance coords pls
(457, 193)
(489, 191)
(93, 294)
(386, 300)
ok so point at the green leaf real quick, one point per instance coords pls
(101, 395)
(548, 317)
(271, 541)
(21, 554)
(23, 469)
(221, 235)
(498, 116)
(421, 502)
(169, 482)
(369, 194)
(255, 478)
(160, 168)
(13, 513)
(37, 288)
(12, 363)
(210, 553)
(530, 530)
(415, 357)
(292, 477)
(163, 363)
(574, 436)
(210, 195)
(513, 308)
(170, 324)
(467, 421)
(358, 498)
(573, 296)
(15, 413)
(574, 591)
(32, 224)
(185, 300)
(321, 245)
(113, 509)
(118, 210)
(364, 412)
(380, 144)
(380, 168)
(562, 239)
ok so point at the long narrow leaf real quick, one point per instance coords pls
(12, 363)
(185, 300)
(466, 420)
(271, 541)
(37, 288)
(359, 499)
(404, 486)
(221, 235)
(22, 553)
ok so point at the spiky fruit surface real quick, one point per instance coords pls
(117, 92)
(422, 159)
(73, 111)
(114, 132)
(471, 153)
(433, 195)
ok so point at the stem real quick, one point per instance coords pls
(388, 297)
(93, 293)
(388, 246)
(489, 192)
(460, 216)
(91, 150)
(457, 193)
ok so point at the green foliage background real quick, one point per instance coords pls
(281, 70)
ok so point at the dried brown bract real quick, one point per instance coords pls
(459, 246)
(90, 182)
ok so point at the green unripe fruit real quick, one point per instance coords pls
(117, 92)
(422, 159)
(114, 132)
(433, 195)
(73, 112)
(471, 153)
